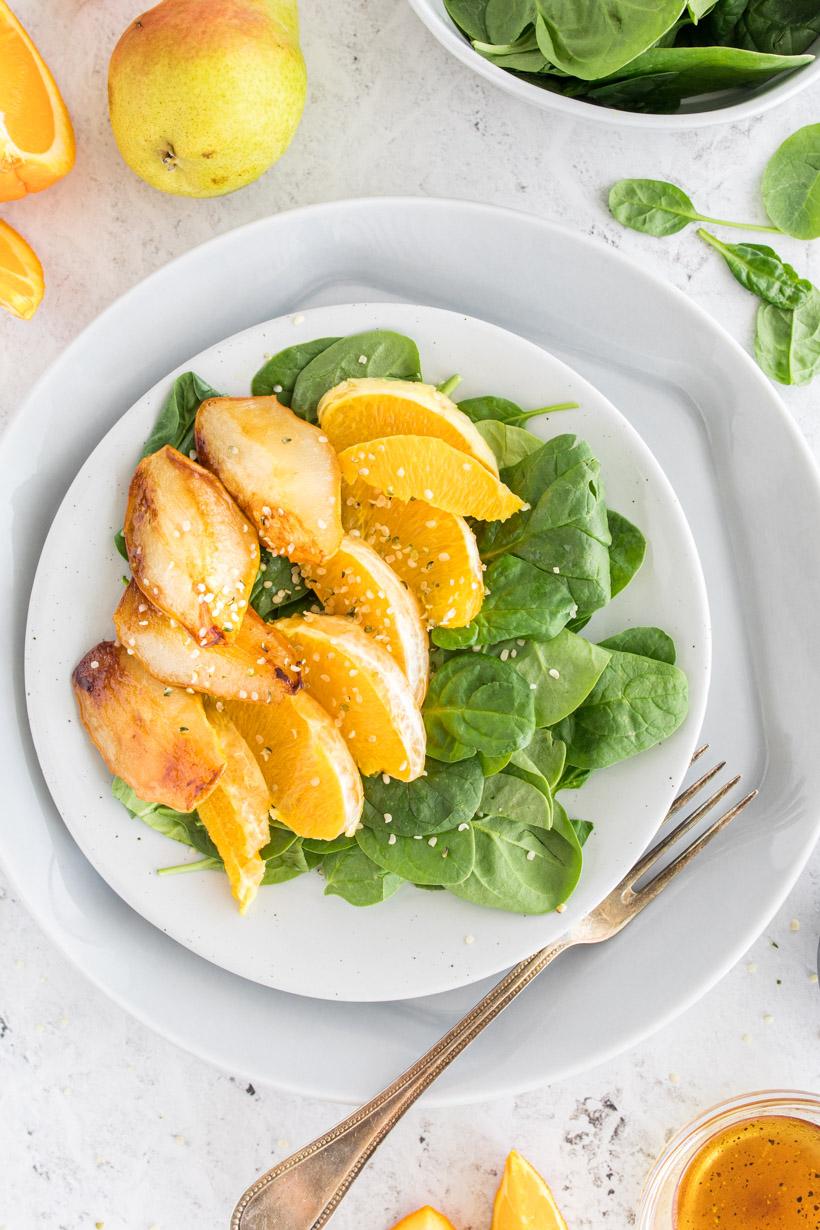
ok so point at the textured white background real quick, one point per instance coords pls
(103, 1124)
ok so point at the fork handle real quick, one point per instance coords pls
(304, 1190)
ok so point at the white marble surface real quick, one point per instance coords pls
(103, 1124)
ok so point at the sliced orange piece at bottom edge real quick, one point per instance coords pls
(425, 1219)
(524, 1200)
(22, 284)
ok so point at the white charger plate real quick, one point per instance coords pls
(749, 489)
(295, 939)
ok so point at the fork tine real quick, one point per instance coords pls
(657, 852)
(704, 747)
(690, 791)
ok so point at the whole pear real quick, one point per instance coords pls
(204, 95)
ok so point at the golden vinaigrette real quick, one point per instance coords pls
(762, 1174)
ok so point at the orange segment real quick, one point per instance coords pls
(363, 690)
(36, 137)
(523, 1200)
(236, 813)
(433, 552)
(21, 275)
(359, 410)
(424, 468)
(424, 1219)
(313, 781)
(357, 582)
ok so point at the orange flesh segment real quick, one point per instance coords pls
(363, 690)
(357, 582)
(313, 781)
(424, 468)
(523, 1200)
(21, 275)
(433, 552)
(425, 1219)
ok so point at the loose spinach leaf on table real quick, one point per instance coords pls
(442, 858)
(521, 601)
(516, 798)
(656, 207)
(526, 870)
(477, 704)
(787, 344)
(510, 444)
(636, 703)
(503, 411)
(175, 424)
(279, 374)
(626, 551)
(278, 583)
(378, 352)
(646, 642)
(350, 874)
(559, 673)
(760, 270)
(447, 796)
(791, 184)
(593, 38)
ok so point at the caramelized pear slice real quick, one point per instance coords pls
(257, 666)
(191, 551)
(157, 739)
(280, 470)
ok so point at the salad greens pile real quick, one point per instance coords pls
(787, 336)
(640, 55)
(520, 707)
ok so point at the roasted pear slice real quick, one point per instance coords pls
(190, 549)
(281, 471)
(257, 666)
(156, 738)
(236, 813)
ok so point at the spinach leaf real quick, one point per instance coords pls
(350, 874)
(521, 600)
(583, 830)
(175, 424)
(443, 858)
(477, 704)
(721, 23)
(784, 27)
(314, 845)
(278, 583)
(593, 38)
(287, 865)
(646, 642)
(278, 376)
(504, 411)
(787, 344)
(791, 184)
(510, 444)
(541, 762)
(469, 16)
(184, 827)
(523, 56)
(490, 765)
(760, 270)
(507, 19)
(626, 551)
(446, 797)
(518, 799)
(655, 207)
(521, 869)
(119, 543)
(635, 704)
(375, 353)
(573, 778)
(560, 673)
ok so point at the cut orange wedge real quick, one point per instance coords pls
(424, 1219)
(433, 552)
(236, 813)
(36, 137)
(357, 582)
(366, 409)
(524, 1201)
(21, 275)
(313, 781)
(364, 691)
(424, 468)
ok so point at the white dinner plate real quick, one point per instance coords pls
(294, 938)
(747, 485)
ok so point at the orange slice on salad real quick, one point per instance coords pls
(357, 582)
(424, 1219)
(36, 137)
(366, 409)
(425, 468)
(365, 692)
(524, 1201)
(312, 778)
(21, 275)
(433, 552)
(235, 814)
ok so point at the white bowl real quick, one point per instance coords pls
(725, 107)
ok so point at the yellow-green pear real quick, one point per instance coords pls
(205, 95)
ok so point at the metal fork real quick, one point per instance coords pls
(304, 1191)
